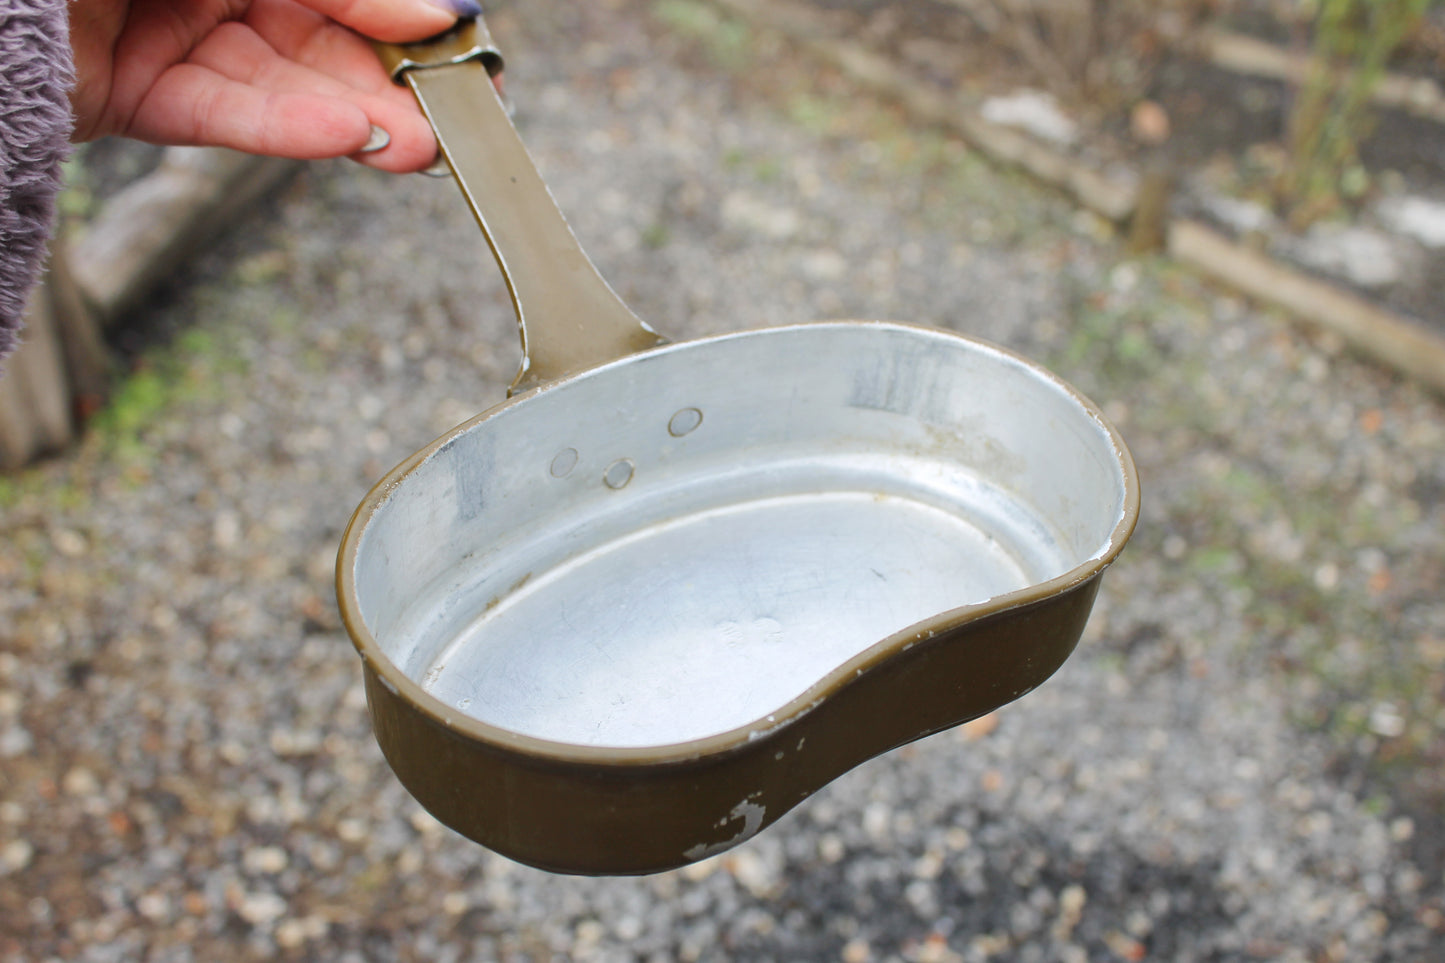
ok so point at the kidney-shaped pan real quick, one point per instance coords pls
(630, 616)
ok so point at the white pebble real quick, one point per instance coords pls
(268, 860)
(16, 855)
(261, 909)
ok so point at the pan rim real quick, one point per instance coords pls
(542, 752)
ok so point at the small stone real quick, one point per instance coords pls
(588, 934)
(80, 782)
(425, 823)
(1364, 256)
(267, 860)
(1149, 123)
(226, 530)
(935, 950)
(981, 727)
(456, 903)
(1245, 217)
(351, 830)
(876, 821)
(701, 870)
(1386, 721)
(1071, 910)
(69, 543)
(261, 909)
(857, 951)
(750, 870)
(1032, 111)
(164, 617)
(928, 866)
(233, 752)
(409, 861)
(154, 906)
(290, 743)
(290, 934)
(16, 855)
(1421, 218)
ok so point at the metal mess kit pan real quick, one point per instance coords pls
(633, 614)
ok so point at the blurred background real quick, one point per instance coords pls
(1223, 221)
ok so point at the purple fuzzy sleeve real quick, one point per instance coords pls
(35, 125)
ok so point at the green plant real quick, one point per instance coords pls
(1353, 42)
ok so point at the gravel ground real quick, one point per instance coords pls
(1236, 765)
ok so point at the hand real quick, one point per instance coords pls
(287, 78)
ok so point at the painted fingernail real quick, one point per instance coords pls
(462, 8)
(378, 140)
(438, 168)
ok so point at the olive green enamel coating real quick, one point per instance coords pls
(616, 812)
(568, 317)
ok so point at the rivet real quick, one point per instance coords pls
(563, 462)
(684, 422)
(619, 473)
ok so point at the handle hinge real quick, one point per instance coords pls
(468, 40)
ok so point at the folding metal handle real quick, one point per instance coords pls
(469, 40)
(569, 318)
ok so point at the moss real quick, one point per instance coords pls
(194, 368)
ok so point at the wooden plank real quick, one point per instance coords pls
(1380, 334)
(147, 230)
(35, 413)
(1241, 54)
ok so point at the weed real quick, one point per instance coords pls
(1353, 41)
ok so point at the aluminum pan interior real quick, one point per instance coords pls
(677, 544)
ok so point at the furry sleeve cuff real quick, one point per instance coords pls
(36, 72)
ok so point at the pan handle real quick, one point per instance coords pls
(569, 318)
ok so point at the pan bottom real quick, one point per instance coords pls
(716, 620)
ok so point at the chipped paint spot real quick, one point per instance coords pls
(752, 816)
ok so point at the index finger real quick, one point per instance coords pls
(396, 21)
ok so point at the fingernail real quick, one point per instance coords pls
(438, 168)
(462, 8)
(378, 140)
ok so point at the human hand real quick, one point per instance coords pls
(279, 77)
